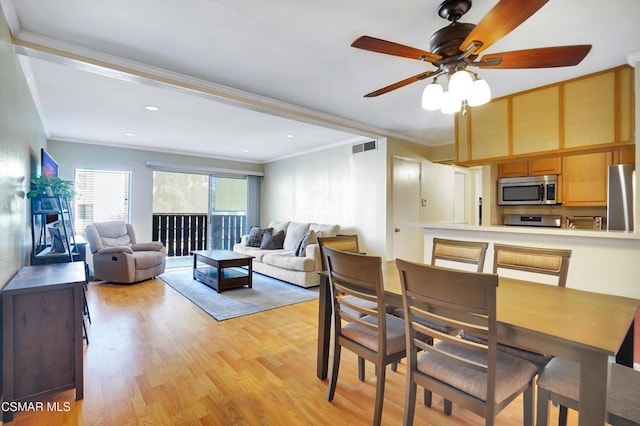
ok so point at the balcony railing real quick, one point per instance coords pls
(182, 233)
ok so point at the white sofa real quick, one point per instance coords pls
(283, 263)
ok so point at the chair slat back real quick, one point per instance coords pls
(353, 278)
(533, 259)
(471, 252)
(348, 243)
(460, 299)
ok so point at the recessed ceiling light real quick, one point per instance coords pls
(129, 134)
(245, 150)
(291, 136)
(151, 108)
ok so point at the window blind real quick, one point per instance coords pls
(101, 195)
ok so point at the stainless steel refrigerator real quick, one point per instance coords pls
(620, 197)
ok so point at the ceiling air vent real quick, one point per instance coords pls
(362, 147)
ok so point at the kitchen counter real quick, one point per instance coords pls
(531, 230)
(601, 261)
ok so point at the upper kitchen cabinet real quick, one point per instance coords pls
(490, 124)
(587, 114)
(584, 179)
(537, 167)
(536, 121)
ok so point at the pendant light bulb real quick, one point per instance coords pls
(460, 84)
(480, 93)
(432, 97)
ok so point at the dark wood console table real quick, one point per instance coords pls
(42, 333)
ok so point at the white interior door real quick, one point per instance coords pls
(407, 240)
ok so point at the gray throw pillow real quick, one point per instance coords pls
(272, 242)
(308, 238)
(256, 234)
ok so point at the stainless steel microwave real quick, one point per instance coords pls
(528, 190)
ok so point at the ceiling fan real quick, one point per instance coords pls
(458, 45)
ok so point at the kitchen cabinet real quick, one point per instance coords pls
(490, 130)
(538, 167)
(625, 155)
(584, 179)
(536, 121)
(580, 115)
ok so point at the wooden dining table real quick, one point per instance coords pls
(577, 325)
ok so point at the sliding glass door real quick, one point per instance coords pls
(199, 211)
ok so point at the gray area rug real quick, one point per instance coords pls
(267, 293)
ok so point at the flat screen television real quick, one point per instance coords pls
(48, 166)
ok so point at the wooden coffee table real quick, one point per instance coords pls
(226, 271)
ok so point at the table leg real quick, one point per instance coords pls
(324, 327)
(195, 262)
(625, 353)
(250, 273)
(593, 388)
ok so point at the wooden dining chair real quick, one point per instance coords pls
(348, 243)
(370, 333)
(536, 260)
(476, 376)
(559, 382)
(459, 253)
(456, 254)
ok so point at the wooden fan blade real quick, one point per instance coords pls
(399, 84)
(390, 48)
(546, 57)
(500, 21)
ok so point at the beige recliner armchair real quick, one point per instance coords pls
(118, 258)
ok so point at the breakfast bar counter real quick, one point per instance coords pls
(601, 261)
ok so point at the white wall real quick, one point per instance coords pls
(332, 186)
(71, 156)
(21, 137)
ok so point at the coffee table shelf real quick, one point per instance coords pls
(227, 269)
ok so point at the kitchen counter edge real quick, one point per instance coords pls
(623, 235)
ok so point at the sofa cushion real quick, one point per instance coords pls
(258, 253)
(272, 242)
(256, 234)
(308, 238)
(288, 260)
(279, 226)
(293, 235)
(323, 230)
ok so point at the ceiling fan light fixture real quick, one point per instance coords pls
(460, 84)
(480, 93)
(450, 103)
(432, 97)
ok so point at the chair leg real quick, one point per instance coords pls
(527, 406)
(361, 369)
(85, 334)
(85, 305)
(448, 407)
(542, 412)
(410, 401)
(381, 373)
(427, 397)
(562, 416)
(334, 372)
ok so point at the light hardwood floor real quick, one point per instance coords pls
(155, 358)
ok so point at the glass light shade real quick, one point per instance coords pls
(479, 94)
(432, 97)
(450, 103)
(460, 84)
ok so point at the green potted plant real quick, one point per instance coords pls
(41, 185)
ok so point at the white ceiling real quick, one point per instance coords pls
(234, 78)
